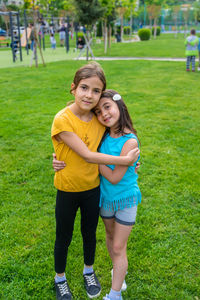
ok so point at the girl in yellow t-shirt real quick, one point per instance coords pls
(76, 134)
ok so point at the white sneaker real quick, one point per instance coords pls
(198, 68)
(124, 285)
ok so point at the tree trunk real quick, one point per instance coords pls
(122, 27)
(150, 24)
(87, 50)
(35, 37)
(105, 36)
(109, 36)
(185, 28)
(155, 27)
(176, 26)
(131, 22)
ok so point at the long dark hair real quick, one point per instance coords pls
(124, 119)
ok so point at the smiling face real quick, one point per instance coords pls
(87, 93)
(108, 113)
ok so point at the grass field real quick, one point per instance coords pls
(163, 248)
(163, 46)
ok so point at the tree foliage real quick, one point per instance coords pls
(89, 11)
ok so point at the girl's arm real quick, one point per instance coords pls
(77, 145)
(114, 176)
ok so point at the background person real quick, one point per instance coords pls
(62, 35)
(191, 52)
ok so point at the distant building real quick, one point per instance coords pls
(9, 2)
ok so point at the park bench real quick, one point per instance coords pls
(3, 42)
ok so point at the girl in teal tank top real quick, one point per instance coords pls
(119, 190)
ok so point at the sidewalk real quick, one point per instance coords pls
(135, 58)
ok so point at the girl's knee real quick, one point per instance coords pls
(119, 249)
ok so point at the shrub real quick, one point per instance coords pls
(127, 29)
(144, 34)
(157, 31)
(80, 35)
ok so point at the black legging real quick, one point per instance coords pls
(67, 204)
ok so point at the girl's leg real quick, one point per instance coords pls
(193, 63)
(89, 219)
(109, 227)
(120, 262)
(188, 63)
(89, 206)
(66, 208)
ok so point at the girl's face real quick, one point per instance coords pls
(107, 112)
(87, 93)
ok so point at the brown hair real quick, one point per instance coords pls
(193, 31)
(87, 71)
(124, 119)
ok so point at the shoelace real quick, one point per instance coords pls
(90, 280)
(63, 288)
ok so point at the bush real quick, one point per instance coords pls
(127, 29)
(157, 31)
(80, 35)
(144, 34)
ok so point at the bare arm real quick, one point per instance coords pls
(78, 146)
(114, 176)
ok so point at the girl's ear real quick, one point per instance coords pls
(72, 88)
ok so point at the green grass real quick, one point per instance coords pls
(163, 248)
(59, 54)
(165, 45)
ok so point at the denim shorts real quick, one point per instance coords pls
(126, 216)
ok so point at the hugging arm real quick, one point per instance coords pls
(78, 146)
(114, 176)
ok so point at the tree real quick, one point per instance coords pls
(122, 9)
(88, 11)
(6, 18)
(197, 11)
(175, 11)
(35, 5)
(108, 17)
(186, 11)
(132, 4)
(155, 9)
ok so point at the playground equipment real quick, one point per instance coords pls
(15, 37)
(44, 23)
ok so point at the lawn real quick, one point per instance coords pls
(165, 45)
(163, 248)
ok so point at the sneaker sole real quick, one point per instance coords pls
(94, 296)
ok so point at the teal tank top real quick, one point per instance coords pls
(125, 193)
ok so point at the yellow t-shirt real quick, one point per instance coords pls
(78, 175)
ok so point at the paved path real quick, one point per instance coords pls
(136, 58)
